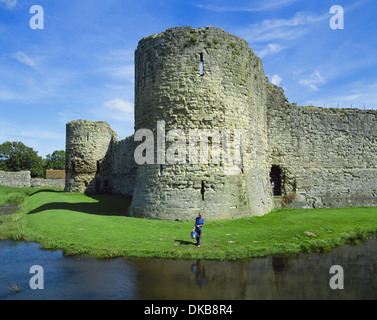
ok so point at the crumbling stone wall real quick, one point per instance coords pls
(123, 166)
(96, 162)
(23, 179)
(328, 157)
(49, 183)
(88, 149)
(15, 179)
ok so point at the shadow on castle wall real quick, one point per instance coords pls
(114, 205)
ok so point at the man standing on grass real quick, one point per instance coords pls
(199, 223)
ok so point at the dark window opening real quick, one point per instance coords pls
(201, 64)
(275, 179)
(73, 166)
(202, 191)
(161, 169)
(86, 183)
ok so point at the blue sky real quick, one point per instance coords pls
(80, 66)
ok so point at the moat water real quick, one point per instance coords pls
(302, 276)
(8, 209)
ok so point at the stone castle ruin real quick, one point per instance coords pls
(193, 80)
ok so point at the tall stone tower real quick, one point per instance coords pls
(195, 80)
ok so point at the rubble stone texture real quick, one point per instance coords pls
(207, 79)
(15, 179)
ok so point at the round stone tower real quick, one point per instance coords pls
(202, 85)
(88, 145)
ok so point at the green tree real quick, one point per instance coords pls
(15, 156)
(55, 161)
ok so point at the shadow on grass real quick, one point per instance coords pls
(186, 243)
(107, 205)
(45, 190)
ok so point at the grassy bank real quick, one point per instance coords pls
(14, 195)
(99, 226)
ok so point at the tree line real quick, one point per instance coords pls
(15, 156)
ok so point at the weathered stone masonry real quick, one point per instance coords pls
(208, 79)
(22, 179)
(327, 157)
(96, 162)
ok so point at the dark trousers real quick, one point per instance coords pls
(198, 237)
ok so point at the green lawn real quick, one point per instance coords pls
(99, 226)
(14, 195)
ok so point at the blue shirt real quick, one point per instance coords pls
(199, 221)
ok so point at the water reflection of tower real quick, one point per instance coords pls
(199, 271)
(279, 266)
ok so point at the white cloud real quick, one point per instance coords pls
(276, 79)
(124, 73)
(353, 97)
(358, 95)
(118, 109)
(312, 80)
(8, 4)
(23, 58)
(271, 48)
(42, 134)
(10, 131)
(42, 140)
(119, 105)
(281, 29)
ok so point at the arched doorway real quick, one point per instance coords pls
(275, 179)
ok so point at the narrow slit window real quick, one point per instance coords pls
(201, 65)
(202, 191)
(98, 167)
